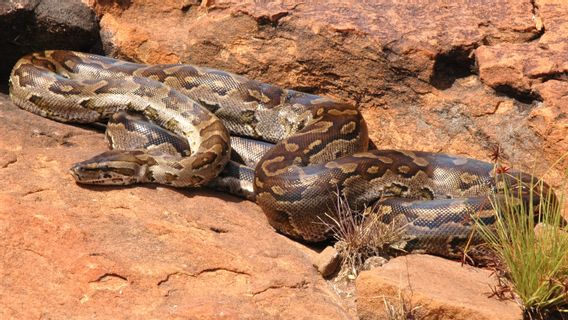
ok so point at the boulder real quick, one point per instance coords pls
(431, 288)
(460, 78)
(328, 261)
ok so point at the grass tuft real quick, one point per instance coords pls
(402, 308)
(534, 259)
(360, 235)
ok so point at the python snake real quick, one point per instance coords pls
(171, 124)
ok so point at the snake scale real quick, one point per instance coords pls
(292, 151)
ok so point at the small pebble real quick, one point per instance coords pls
(374, 262)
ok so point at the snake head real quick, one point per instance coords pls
(112, 168)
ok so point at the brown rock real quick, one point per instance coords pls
(357, 51)
(410, 66)
(537, 71)
(519, 67)
(151, 252)
(327, 262)
(435, 287)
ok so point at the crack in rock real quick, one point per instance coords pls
(38, 190)
(523, 96)
(7, 159)
(202, 272)
(109, 281)
(218, 230)
(538, 21)
(300, 285)
(169, 275)
(210, 270)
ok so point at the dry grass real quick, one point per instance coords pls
(402, 308)
(360, 235)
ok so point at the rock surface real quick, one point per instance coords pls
(327, 262)
(460, 78)
(435, 287)
(69, 252)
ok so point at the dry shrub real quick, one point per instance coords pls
(361, 235)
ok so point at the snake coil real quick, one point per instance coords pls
(313, 146)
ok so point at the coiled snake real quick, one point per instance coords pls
(313, 146)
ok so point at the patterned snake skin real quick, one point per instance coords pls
(171, 124)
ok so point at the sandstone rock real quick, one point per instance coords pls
(520, 67)
(357, 51)
(327, 262)
(410, 66)
(76, 252)
(435, 287)
(536, 71)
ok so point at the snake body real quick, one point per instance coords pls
(313, 146)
